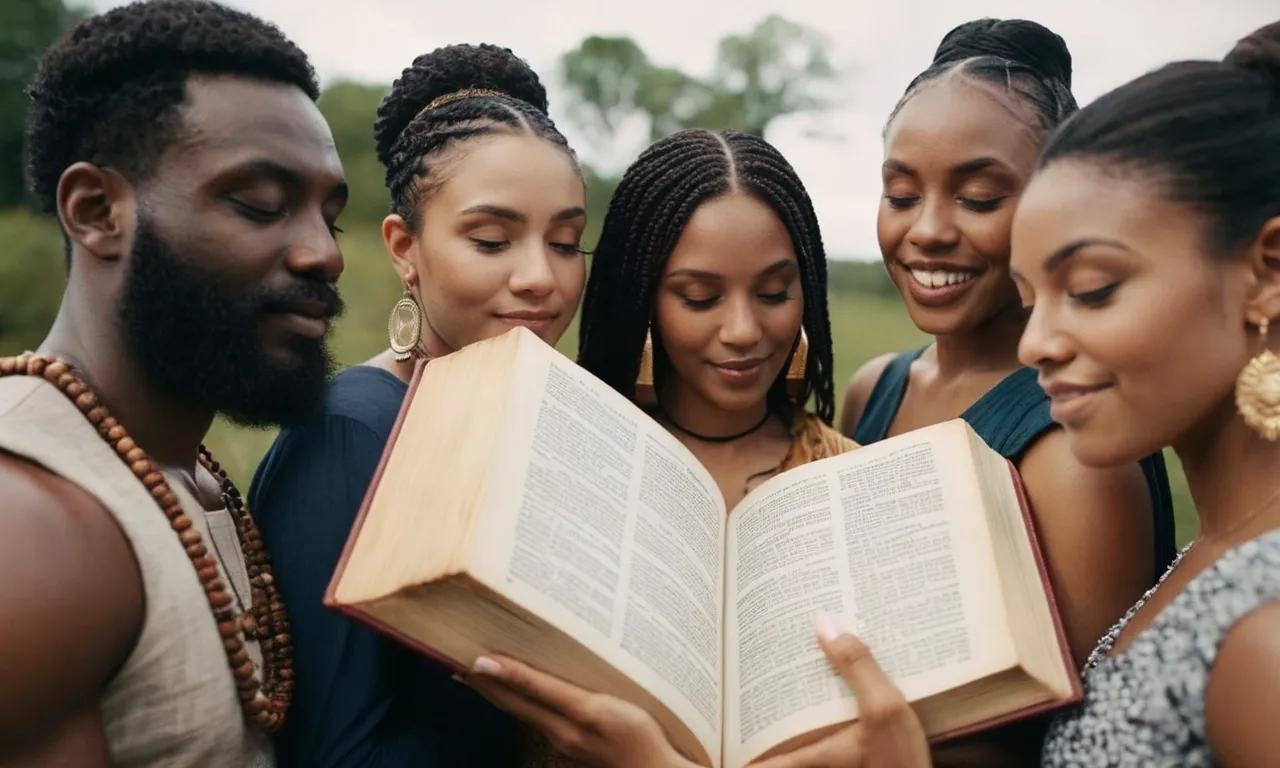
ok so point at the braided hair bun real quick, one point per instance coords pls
(447, 70)
(493, 91)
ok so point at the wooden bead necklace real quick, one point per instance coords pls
(265, 702)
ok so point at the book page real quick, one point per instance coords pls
(890, 539)
(617, 538)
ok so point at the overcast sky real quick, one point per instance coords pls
(883, 44)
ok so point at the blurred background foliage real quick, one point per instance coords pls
(774, 70)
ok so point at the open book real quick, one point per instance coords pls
(523, 507)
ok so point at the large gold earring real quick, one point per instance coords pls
(645, 394)
(404, 327)
(799, 362)
(1258, 390)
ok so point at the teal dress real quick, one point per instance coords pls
(1010, 417)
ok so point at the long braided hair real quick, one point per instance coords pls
(650, 209)
(412, 140)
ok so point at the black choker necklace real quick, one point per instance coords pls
(713, 438)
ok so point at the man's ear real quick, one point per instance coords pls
(97, 209)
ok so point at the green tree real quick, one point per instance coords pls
(32, 278)
(350, 109)
(27, 27)
(778, 68)
(612, 80)
(31, 263)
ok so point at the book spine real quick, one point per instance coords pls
(1043, 569)
(366, 620)
(329, 600)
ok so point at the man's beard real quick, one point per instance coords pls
(200, 343)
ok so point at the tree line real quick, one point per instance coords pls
(775, 69)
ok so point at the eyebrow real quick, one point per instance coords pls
(975, 165)
(897, 166)
(285, 176)
(513, 215)
(963, 169)
(1058, 257)
(699, 274)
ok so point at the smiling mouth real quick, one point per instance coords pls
(1066, 395)
(939, 278)
(1070, 403)
(739, 374)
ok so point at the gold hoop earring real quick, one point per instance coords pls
(404, 327)
(1258, 390)
(645, 394)
(799, 365)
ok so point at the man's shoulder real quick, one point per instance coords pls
(15, 391)
(49, 514)
(73, 600)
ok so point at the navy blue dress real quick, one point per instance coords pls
(358, 699)
(1010, 417)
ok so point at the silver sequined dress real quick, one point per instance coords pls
(1145, 706)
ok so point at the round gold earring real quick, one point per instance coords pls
(404, 327)
(1258, 390)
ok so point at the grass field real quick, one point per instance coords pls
(864, 324)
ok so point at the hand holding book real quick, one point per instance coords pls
(602, 730)
(555, 522)
(593, 728)
(886, 735)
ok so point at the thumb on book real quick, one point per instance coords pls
(878, 698)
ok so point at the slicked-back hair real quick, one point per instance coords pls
(1026, 60)
(1205, 133)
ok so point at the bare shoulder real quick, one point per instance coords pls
(859, 389)
(1050, 461)
(1097, 530)
(72, 607)
(1242, 700)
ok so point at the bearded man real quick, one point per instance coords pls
(196, 184)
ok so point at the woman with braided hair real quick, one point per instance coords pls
(959, 149)
(487, 213)
(706, 304)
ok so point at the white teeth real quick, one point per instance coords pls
(938, 278)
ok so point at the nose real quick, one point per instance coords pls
(935, 226)
(531, 272)
(317, 254)
(1043, 346)
(740, 329)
